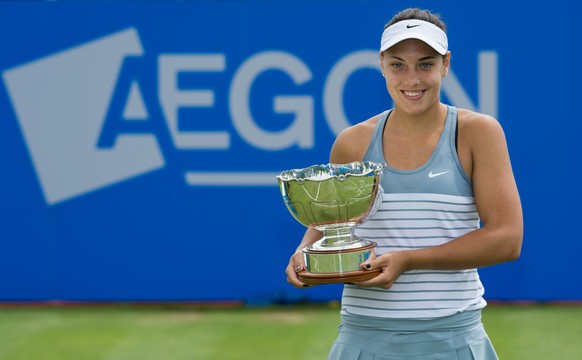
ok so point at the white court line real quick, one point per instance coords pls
(194, 178)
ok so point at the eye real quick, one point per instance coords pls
(426, 66)
(397, 65)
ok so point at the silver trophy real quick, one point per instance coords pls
(334, 198)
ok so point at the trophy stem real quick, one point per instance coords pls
(337, 236)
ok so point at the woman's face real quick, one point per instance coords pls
(413, 72)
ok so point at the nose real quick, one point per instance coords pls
(412, 78)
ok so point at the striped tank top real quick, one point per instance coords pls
(420, 208)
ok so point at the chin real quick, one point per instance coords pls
(417, 107)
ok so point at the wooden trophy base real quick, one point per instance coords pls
(337, 278)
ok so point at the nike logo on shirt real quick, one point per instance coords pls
(431, 174)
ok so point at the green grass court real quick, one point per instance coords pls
(280, 332)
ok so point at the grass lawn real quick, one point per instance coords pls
(280, 333)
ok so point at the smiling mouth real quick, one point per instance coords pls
(413, 94)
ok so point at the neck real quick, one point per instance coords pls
(414, 123)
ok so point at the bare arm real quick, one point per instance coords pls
(498, 240)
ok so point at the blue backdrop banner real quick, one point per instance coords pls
(141, 139)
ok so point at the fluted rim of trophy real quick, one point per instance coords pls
(325, 172)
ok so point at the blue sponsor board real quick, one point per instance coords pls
(141, 140)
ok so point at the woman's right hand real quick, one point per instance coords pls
(296, 265)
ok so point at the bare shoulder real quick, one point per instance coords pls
(472, 119)
(477, 128)
(352, 143)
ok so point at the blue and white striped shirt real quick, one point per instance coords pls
(420, 208)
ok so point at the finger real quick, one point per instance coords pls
(296, 282)
(292, 277)
(298, 263)
(375, 281)
(371, 263)
(381, 281)
(298, 259)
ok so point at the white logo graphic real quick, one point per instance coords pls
(431, 174)
(61, 102)
(90, 114)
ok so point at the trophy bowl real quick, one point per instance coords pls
(334, 198)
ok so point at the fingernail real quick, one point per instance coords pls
(298, 268)
(368, 266)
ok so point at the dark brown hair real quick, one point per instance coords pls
(418, 14)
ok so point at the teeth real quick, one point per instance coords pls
(412, 93)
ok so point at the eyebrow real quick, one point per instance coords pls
(421, 59)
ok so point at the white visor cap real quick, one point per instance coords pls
(422, 30)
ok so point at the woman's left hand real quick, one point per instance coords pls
(392, 264)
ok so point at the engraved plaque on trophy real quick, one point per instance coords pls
(334, 198)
